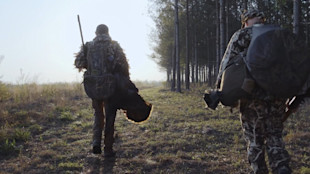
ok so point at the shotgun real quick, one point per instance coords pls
(84, 48)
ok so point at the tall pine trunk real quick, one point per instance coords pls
(296, 13)
(217, 38)
(187, 49)
(177, 53)
(196, 58)
(173, 68)
(226, 21)
(222, 28)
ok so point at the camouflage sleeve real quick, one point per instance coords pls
(80, 61)
(120, 61)
(236, 47)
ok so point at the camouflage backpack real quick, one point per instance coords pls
(99, 82)
(278, 62)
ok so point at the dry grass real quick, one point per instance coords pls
(48, 129)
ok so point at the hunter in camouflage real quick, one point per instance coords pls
(261, 113)
(115, 63)
(120, 63)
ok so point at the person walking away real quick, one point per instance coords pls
(261, 113)
(104, 58)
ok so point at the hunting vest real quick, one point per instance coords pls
(99, 82)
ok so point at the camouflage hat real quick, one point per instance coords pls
(102, 29)
(248, 14)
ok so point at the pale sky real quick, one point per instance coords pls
(40, 37)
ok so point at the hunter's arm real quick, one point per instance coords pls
(237, 46)
(121, 65)
(80, 61)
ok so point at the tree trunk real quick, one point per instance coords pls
(173, 69)
(227, 22)
(177, 53)
(193, 62)
(217, 38)
(296, 12)
(187, 49)
(196, 59)
(307, 27)
(182, 76)
(168, 77)
(222, 29)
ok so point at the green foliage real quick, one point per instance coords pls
(14, 133)
(78, 89)
(70, 165)
(203, 27)
(64, 113)
(48, 91)
(25, 93)
(21, 134)
(8, 147)
(35, 128)
(66, 116)
(305, 170)
(4, 92)
(59, 144)
(85, 113)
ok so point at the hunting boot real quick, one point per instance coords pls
(109, 131)
(98, 127)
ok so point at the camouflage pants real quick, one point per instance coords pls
(262, 127)
(100, 118)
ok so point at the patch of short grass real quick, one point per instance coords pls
(59, 143)
(70, 165)
(35, 128)
(66, 116)
(8, 147)
(21, 134)
(305, 170)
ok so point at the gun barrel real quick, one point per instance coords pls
(80, 29)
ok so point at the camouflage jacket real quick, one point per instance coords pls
(119, 65)
(237, 46)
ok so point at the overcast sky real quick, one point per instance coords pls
(40, 37)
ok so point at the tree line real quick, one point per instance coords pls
(191, 35)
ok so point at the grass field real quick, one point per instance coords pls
(48, 129)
